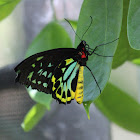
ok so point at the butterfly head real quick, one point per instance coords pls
(83, 52)
(83, 49)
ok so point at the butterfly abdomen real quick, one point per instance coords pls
(80, 86)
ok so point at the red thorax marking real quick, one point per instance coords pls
(83, 55)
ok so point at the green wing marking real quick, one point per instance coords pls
(36, 73)
(64, 81)
(39, 58)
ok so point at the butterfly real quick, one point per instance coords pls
(58, 72)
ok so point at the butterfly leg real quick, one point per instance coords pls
(90, 53)
(94, 78)
(93, 50)
(101, 55)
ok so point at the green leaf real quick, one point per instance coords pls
(52, 36)
(87, 106)
(107, 17)
(33, 117)
(124, 52)
(120, 108)
(6, 7)
(40, 97)
(134, 24)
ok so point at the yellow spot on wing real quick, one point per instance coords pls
(53, 88)
(68, 61)
(58, 96)
(63, 100)
(68, 98)
(39, 58)
(53, 79)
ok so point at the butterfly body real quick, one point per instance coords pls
(58, 72)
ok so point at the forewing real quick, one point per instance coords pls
(37, 70)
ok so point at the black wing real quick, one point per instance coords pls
(37, 70)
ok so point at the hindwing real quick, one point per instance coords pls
(64, 81)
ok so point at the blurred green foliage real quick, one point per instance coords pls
(111, 19)
(6, 7)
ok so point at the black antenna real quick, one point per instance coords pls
(73, 29)
(84, 32)
(88, 27)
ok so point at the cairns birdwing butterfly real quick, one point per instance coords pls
(59, 71)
